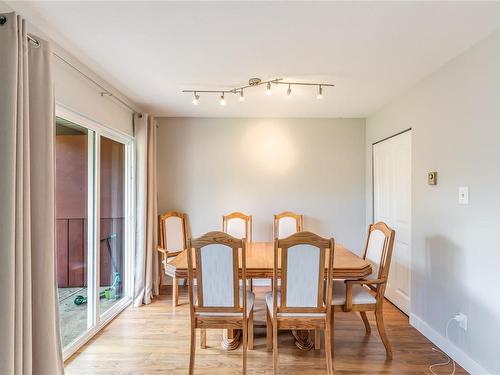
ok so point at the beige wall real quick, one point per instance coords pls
(208, 167)
(455, 117)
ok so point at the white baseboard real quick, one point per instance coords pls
(448, 347)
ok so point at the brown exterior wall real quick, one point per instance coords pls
(71, 209)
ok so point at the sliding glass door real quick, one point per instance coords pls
(73, 163)
(112, 223)
(94, 225)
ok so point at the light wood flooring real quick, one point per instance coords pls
(154, 339)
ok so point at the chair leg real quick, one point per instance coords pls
(175, 292)
(192, 350)
(381, 330)
(203, 338)
(269, 331)
(332, 330)
(245, 342)
(317, 339)
(250, 330)
(275, 347)
(365, 320)
(328, 349)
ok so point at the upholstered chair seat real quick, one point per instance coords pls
(270, 306)
(250, 304)
(360, 294)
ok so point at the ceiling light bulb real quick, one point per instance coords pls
(242, 98)
(196, 99)
(320, 93)
(222, 100)
(268, 90)
(289, 91)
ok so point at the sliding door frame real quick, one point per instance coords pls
(95, 320)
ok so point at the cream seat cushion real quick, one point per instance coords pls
(270, 305)
(360, 294)
(250, 303)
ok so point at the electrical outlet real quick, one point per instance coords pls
(461, 318)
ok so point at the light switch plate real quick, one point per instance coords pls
(463, 195)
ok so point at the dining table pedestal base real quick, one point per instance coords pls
(231, 339)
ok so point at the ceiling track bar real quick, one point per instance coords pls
(276, 81)
(305, 84)
(236, 90)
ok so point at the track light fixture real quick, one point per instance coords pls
(254, 82)
(320, 93)
(196, 98)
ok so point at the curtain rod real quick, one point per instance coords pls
(105, 92)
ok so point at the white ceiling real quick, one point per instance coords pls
(371, 51)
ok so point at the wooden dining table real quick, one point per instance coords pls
(260, 265)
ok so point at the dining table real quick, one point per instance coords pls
(260, 265)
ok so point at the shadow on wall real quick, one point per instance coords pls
(440, 278)
(440, 290)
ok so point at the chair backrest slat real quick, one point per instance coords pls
(216, 258)
(378, 251)
(172, 231)
(286, 224)
(238, 225)
(304, 258)
(302, 275)
(374, 251)
(217, 276)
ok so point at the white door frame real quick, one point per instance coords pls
(411, 194)
(97, 321)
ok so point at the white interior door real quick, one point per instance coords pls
(392, 204)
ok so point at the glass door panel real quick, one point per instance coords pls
(112, 223)
(72, 159)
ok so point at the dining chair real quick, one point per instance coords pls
(172, 240)
(286, 224)
(368, 294)
(218, 301)
(300, 303)
(238, 225)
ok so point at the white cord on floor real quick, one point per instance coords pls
(443, 353)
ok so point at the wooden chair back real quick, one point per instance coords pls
(214, 263)
(238, 225)
(172, 231)
(303, 258)
(378, 252)
(286, 224)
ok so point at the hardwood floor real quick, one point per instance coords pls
(154, 339)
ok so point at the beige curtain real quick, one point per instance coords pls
(147, 273)
(29, 327)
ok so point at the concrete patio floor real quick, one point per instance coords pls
(72, 317)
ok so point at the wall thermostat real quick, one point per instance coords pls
(432, 178)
